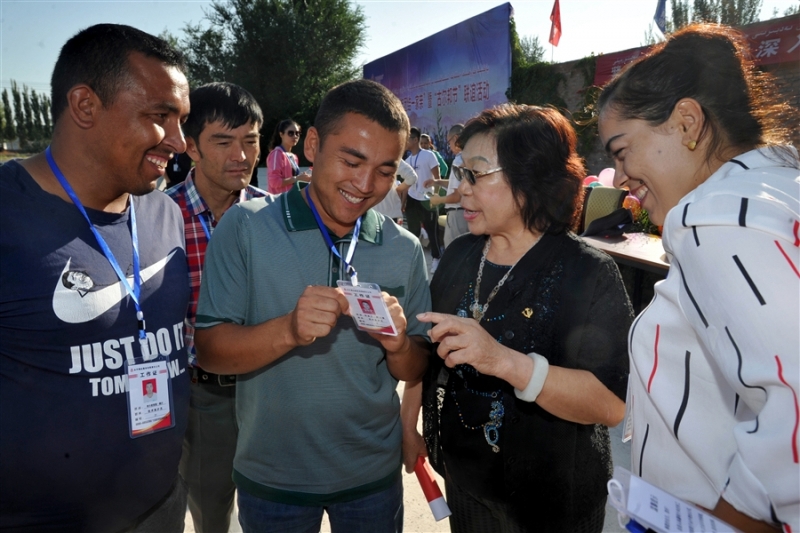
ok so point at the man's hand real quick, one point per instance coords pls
(400, 342)
(316, 313)
(413, 447)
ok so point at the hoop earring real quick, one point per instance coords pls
(692, 145)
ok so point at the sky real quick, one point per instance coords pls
(33, 31)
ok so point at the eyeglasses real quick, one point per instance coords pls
(292, 133)
(467, 174)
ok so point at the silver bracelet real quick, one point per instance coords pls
(540, 369)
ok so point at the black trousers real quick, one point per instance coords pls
(417, 216)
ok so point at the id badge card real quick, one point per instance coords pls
(368, 308)
(150, 407)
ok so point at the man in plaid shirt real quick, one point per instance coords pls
(222, 138)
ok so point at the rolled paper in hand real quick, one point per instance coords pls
(431, 490)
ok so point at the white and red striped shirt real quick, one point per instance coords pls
(715, 358)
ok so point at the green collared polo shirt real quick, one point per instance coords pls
(321, 424)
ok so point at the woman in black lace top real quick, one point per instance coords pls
(531, 365)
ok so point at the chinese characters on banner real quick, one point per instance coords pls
(772, 41)
(457, 94)
(452, 75)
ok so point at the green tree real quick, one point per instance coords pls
(36, 116)
(534, 83)
(287, 53)
(680, 15)
(532, 50)
(9, 131)
(48, 126)
(19, 116)
(30, 126)
(739, 12)
(2, 126)
(170, 38)
(705, 11)
(730, 12)
(651, 36)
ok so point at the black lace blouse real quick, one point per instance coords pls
(564, 300)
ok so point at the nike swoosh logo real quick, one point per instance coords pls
(75, 308)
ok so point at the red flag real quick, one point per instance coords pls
(555, 29)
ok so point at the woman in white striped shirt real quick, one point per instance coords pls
(694, 131)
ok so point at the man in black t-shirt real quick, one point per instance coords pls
(93, 295)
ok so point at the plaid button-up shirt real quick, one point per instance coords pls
(194, 209)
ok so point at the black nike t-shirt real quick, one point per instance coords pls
(66, 326)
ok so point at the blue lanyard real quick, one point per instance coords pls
(242, 198)
(137, 282)
(353, 241)
(205, 226)
(414, 164)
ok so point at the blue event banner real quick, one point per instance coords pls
(452, 75)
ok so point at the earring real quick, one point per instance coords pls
(692, 145)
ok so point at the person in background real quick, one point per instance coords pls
(93, 289)
(530, 321)
(318, 412)
(426, 143)
(417, 210)
(392, 205)
(222, 137)
(456, 223)
(715, 359)
(283, 169)
(178, 168)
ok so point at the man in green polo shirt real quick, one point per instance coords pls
(319, 425)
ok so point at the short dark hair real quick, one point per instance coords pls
(364, 97)
(221, 101)
(280, 128)
(415, 133)
(455, 129)
(536, 149)
(98, 57)
(713, 65)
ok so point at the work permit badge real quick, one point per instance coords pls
(368, 308)
(149, 388)
(150, 407)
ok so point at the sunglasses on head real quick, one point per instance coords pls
(292, 133)
(467, 174)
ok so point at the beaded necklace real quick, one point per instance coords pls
(496, 412)
(490, 428)
(478, 310)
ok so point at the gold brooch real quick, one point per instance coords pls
(527, 312)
